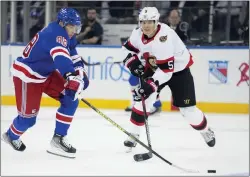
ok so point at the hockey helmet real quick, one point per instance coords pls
(70, 16)
(149, 13)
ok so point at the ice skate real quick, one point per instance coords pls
(18, 145)
(209, 137)
(130, 143)
(59, 146)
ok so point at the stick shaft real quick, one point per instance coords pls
(136, 139)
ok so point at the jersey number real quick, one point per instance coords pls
(171, 64)
(29, 46)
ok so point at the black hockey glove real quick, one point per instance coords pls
(146, 88)
(135, 66)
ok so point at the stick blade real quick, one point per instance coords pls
(142, 157)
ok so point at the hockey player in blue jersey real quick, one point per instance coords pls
(134, 82)
(49, 64)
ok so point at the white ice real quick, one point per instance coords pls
(100, 149)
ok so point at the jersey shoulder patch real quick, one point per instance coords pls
(163, 38)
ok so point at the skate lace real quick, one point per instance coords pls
(65, 142)
(208, 136)
(17, 143)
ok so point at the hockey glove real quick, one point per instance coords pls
(82, 73)
(74, 85)
(78, 62)
(80, 70)
(146, 88)
(135, 66)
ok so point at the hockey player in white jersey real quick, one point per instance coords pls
(155, 53)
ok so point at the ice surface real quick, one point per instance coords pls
(100, 149)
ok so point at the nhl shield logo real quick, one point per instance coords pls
(163, 38)
(218, 72)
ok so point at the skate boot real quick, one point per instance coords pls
(59, 146)
(18, 145)
(209, 137)
(130, 142)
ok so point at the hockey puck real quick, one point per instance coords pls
(211, 171)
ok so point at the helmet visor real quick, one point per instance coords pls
(78, 28)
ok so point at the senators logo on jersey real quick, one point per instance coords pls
(152, 62)
(163, 38)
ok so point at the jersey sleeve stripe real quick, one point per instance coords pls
(158, 62)
(75, 57)
(165, 66)
(60, 54)
(129, 46)
(58, 47)
(63, 51)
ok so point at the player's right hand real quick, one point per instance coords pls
(78, 64)
(73, 86)
(135, 66)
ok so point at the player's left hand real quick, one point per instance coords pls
(80, 71)
(147, 87)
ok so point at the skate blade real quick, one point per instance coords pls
(2, 138)
(5, 139)
(61, 153)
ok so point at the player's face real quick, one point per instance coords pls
(71, 30)
(148, 27)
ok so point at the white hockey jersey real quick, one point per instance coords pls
(165, 46)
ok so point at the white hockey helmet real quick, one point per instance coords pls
(149, 13)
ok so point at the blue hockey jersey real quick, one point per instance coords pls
(51, 49)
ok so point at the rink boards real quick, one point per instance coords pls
(221, 76)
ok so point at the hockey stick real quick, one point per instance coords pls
(136, 139)
(99, 63)
(148, 155)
